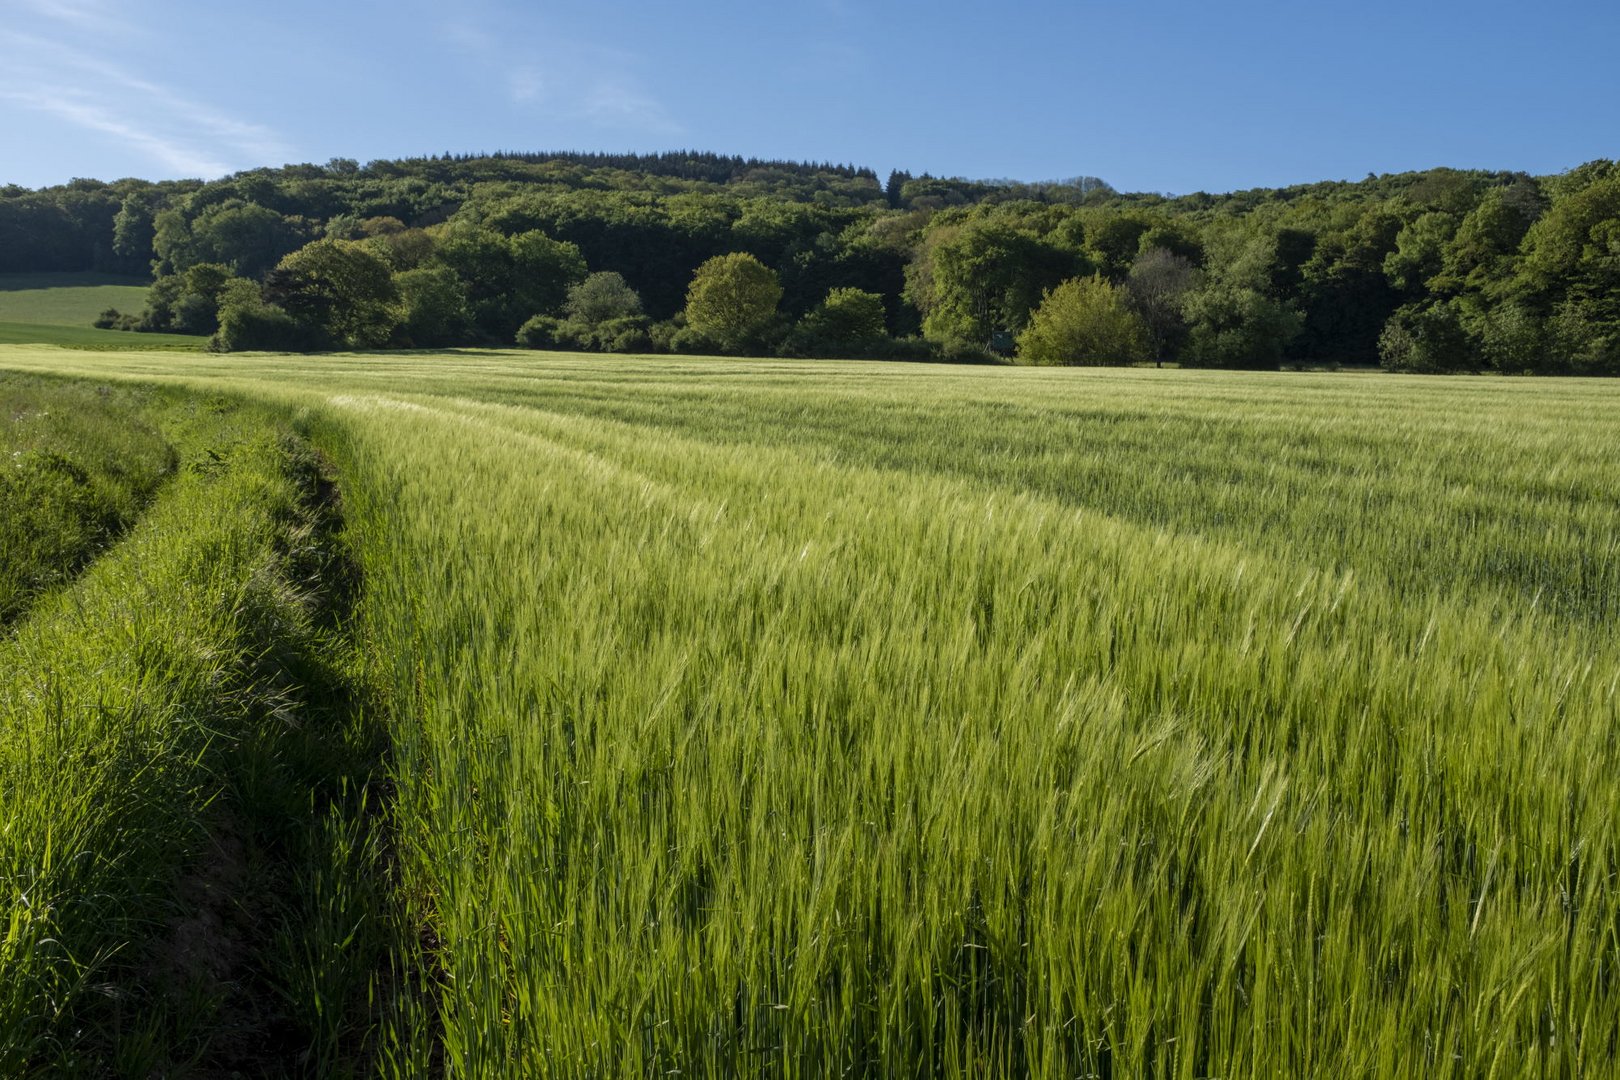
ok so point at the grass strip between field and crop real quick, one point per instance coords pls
(190, 862)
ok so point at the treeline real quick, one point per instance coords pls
(1443, 270)
(705, 166)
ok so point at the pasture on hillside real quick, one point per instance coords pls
(61, 309)
(813, 719)
(67, 299)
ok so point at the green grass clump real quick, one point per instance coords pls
(77, 464)
(826, 719)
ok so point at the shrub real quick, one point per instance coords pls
(247, 322)
(541, 332)
(849, 322)
(629, 334)
(602, 297)
(661, 335)
(1084, 321)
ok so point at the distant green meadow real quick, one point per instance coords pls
(774, 718)
(61, 309)
(91, 339)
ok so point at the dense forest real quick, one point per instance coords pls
(1443, 270)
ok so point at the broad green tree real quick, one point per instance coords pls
(732, 300)
(1420, 250)
(435, 310)
(339, 292)
(246, 321)
(134, 228)
(1234, 326)
(1481, 256)
(1085, 321)
(1571, 270)
(187, 303)
(1426, 338)
(246, 237)
(848, 322)
(852, 316)
(510, 278)
(1113, 241)
(984, 275)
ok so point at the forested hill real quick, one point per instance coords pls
(1437, 270)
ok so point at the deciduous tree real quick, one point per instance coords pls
(601, 297)
(1084, 321)
(339, 292)
(732, 300)
(1157, 288)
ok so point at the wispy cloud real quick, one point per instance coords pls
(84, 13)
(525, 84)
(44, 73)
(617, 101)
(577, 81)
(173, 154)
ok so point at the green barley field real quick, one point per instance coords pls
(502, 714)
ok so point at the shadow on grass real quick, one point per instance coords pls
(276, 960)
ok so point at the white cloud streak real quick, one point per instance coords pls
(175, 155)
(82, 13)
(617, 101)
(74, 85)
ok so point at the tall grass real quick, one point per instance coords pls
(827, 719)
(174, 737)
(77, 464)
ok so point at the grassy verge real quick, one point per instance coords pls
(78, 462)
(188, 868)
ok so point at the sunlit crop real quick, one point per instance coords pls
(822, 719)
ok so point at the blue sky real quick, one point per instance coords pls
(1152, 96)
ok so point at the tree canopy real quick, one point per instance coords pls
(1511, 272)
(338, 292)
